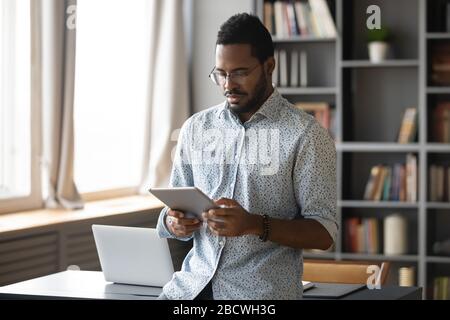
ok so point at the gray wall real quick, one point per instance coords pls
(208, 15)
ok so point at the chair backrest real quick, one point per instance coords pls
(342, 271)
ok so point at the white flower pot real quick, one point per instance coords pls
(378, 51)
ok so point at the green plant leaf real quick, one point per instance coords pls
(381, 34)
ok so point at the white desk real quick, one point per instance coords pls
(92, 285)
(77, 285)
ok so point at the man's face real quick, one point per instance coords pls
(247, 92)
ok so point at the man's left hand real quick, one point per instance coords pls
(231, 220)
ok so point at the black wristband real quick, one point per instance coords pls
(266, 228)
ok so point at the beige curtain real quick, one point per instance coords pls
(58, 73)
(168, 98)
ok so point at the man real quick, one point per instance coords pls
(271, 166)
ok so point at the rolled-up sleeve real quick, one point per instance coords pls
(181, 176)
(315, 178)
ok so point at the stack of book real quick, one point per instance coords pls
(362, 235)
(407, 132)
(292, 73)
(323, 113)
(440, 64)
(441, 122)
(406, 277)
(438, 183)
(299, 18)
(396, 183)
(441, 288)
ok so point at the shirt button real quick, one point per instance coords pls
(221, 243)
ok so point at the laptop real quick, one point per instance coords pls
(332, 290)
(133, 256)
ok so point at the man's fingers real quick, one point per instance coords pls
(185, 221)
(226, 202)
(185, 230)
(216, 225)
(175, 213)
(218, 212)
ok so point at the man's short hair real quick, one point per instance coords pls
(243, 28)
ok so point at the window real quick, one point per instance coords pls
(110, 93)
(18, 163)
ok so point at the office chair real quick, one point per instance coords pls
(332, 271)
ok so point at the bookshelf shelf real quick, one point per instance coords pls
(384, 64)
(438, 90)
(438, 35)
(379, 257)
(436, 259)
(308, 90)
(438, 205)
(438, 147)
(295, 39)
(321, 255)
(377, 204)
(377, 147)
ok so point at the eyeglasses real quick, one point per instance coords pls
(239, 77)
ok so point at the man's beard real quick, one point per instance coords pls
(255, 102)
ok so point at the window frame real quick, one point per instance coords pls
(122, 191)
(34, 199)
(109, 194)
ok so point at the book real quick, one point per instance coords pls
(380, 184)
(277, 67)
(320, 111)
(291, 18)
(441, 288)
(303, 69)
(286, 20)
(323, 17)
(402, 189)
(447, 16)
(408, 126)
(371, 183)
(441, 122)
(283, 69)
(268, 17)
(301, 18)
(387, 184)
(294, 69)
(411, 177)
(293, 28)
(440, 64)
(279, 25)
(316, 24)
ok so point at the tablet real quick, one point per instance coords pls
(189, 200)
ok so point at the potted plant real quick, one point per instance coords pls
(378, 44)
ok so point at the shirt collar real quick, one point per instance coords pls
(269, 109)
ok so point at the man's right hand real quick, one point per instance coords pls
(181, 226)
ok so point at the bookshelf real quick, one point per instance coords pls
(369, 100)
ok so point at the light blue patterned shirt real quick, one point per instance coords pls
(280, 162)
